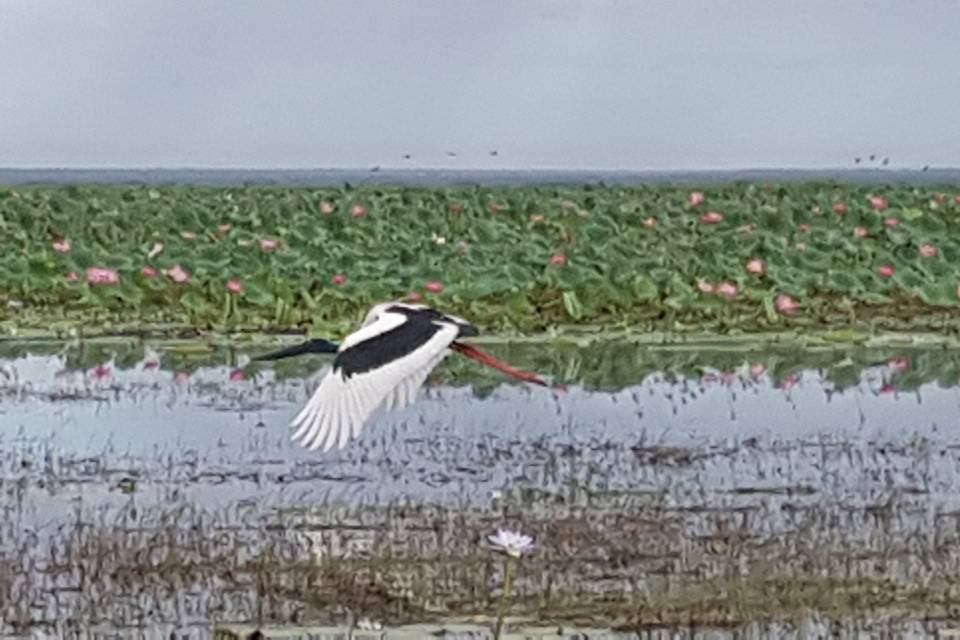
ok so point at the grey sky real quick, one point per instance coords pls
(667, 84)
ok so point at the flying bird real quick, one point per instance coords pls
(384, 362)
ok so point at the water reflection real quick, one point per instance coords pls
(731, 465)
(626, 409)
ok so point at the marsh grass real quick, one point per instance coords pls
(635, 565)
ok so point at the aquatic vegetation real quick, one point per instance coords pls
(689, 497)
(515, 259)
(594, 365)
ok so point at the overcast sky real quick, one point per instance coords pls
(639, 84)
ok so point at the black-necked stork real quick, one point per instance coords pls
(385, 361)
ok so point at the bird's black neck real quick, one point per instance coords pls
(310, 346)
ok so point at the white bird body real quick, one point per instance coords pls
(384, 362)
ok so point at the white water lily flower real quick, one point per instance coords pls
(366, 624)
(438, 239)
(512, 543)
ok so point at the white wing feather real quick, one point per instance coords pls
(405, 393)
(339, 407)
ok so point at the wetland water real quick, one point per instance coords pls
(154, 489)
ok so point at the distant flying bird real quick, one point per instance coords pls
(873, 157)
(407, 156)
(885, 162)
(856, 160)
(452, 154)
(494, 152)
(385, 361)
(925, 167)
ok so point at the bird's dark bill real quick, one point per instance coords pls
(490, 361)
(311, 346)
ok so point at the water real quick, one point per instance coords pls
(154, 487)
(453, 177)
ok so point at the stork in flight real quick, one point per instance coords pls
(386, 361)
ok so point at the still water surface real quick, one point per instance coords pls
(698, 441)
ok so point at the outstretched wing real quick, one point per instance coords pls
(389, 358)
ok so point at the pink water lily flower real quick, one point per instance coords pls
(696, 198)
(73, 276)
(414, 297)
(102, 275)
(861, 232)
(803, 227)
(237, 375)
(61, 246)
(339, 279)
(756, 266)
(100, 372)
(434, 286)
(727, 289)
(879, 203)
(891, 222)
(706, 287)
(148, 272)
(788, 382)
(235, 286)
(928, 251)
(786, 304)
(711, 217)
(178, 274)
(899, 363)
(268, 244)
(326, 207)
(358, 211)
(650, 223)
(885, 271)
(840, 208)
(224, 229)
(558, 259)
(757, 369)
